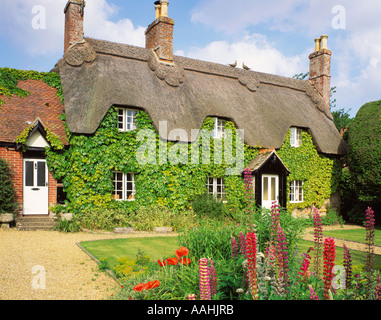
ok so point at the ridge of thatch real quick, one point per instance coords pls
(98, 74)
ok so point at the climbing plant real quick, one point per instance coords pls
(86, 167)
(9, 79)
(320, 174)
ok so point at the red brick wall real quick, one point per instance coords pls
(160, 34)
(73, 23)
(15, 159)
(52, 190)
(320, 73)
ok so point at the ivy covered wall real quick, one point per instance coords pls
(87, 167)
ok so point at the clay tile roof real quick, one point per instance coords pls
(16, 114)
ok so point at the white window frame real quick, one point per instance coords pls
(127, 119)
(127, 194)
(218, 131)
(296, 137)
(296, 194)
(214, 183)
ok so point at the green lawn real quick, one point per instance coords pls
(155, 248)
(354, 235)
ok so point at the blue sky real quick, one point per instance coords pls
(273, 36)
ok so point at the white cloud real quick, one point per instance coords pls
(16, 19)
(356, 49)
(253, 50)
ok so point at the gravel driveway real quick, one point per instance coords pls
(70, 274)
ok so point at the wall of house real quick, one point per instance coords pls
(89, 163)
(15, 159)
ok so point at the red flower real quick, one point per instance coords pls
(140, 287)
(162, 264)
(172, 261)
(152, 284)
(185, 261)
(182, 252)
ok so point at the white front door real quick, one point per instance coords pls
(270, 190)
(36, 190)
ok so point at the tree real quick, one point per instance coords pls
(364, 155)
(7, 191)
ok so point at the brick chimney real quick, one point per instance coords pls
(159, 34)
(74, 13)
(320, 69)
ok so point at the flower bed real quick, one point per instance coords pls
(250, 266)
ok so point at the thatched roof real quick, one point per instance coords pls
(98, 74)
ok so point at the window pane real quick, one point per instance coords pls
(41, 173)
(265, 190)
(273, 187)
(29, 173)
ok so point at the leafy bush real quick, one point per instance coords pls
(206, 205)
(104, 219)
(364, 158)
(147, 218)
(7, 192)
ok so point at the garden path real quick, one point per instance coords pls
(70, 274)
(350, 244)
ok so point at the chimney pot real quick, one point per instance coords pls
(324, 40)
(157, 9)
(164, 8)
(317, 44)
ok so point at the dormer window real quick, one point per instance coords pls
(219, 131)
(126, 119)
(296, 137)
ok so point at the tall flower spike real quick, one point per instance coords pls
(369, 241)
(248, 183)
(377, 290)
(329, 262)
(282, 256)
(347, 262)
(313, 295)
(251, 254)
(213, 279)
(318, 239)
(204, 279)
(242, 243)
(234, 247)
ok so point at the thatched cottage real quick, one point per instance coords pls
(272, 111)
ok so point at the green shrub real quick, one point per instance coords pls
(206, 205)
(104, 219)
(146, 218)
(7, 192)
(364, 159)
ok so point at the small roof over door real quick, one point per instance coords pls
(264, 157)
